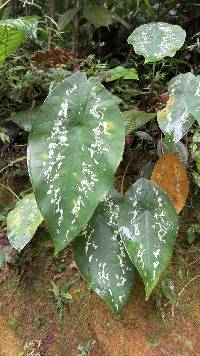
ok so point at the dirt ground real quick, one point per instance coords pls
(30, 322)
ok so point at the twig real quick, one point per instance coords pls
(5, 3)
(161, 145)
(12, 163)
(10, 190)
(187, 284)
(193, 262)
(182, 290)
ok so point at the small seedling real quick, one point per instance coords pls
(85, 350)
(61, 298)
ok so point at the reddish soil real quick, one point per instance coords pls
(30, 317)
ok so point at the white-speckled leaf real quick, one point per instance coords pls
(148, 225)
(175, 120)
(13, 32)
(157, 40)
(23, 221)
(193, 97)
(102, 258)
(75, 147)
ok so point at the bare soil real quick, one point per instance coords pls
(29, 315)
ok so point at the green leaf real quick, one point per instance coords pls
(75, 147)
(67, 17)
(196, 178)
(175, 120)
(120, 20)
(191, 232)
(134, 119)
(120, 72)
(97, 15)
(101, 256)
(196, 137)
(157, 40)
(148, 225)
(193, 97)
(23, 221)
(24, 119)
(13, 32)
(150, 9)
(2, 258)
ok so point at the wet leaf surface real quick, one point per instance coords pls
(175, 120)
(75, 147)
(101, 256)
(193, 97)
(157, 40)
(148, 225)
(23, 221)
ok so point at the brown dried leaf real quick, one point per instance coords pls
(171, 176)
(53, 58)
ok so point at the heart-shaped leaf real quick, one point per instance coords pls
(193, 97)
(175, 120)
(75, 147)
(101, 256)
(97, 15)
(157, 40)
(171, 176)
(148, 225)
(23, 221)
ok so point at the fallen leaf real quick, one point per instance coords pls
(171, 176)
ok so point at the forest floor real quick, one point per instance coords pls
(36, 321)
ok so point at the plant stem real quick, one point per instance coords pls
(53, 11)
(77, 30)
(153, 78)
(122, 183)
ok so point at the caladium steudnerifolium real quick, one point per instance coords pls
(13, 32)
(157, 40)
(101, 256)
(75, 147)
(23, 221)
(176, 119)
(148, 225)
(193, 97)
